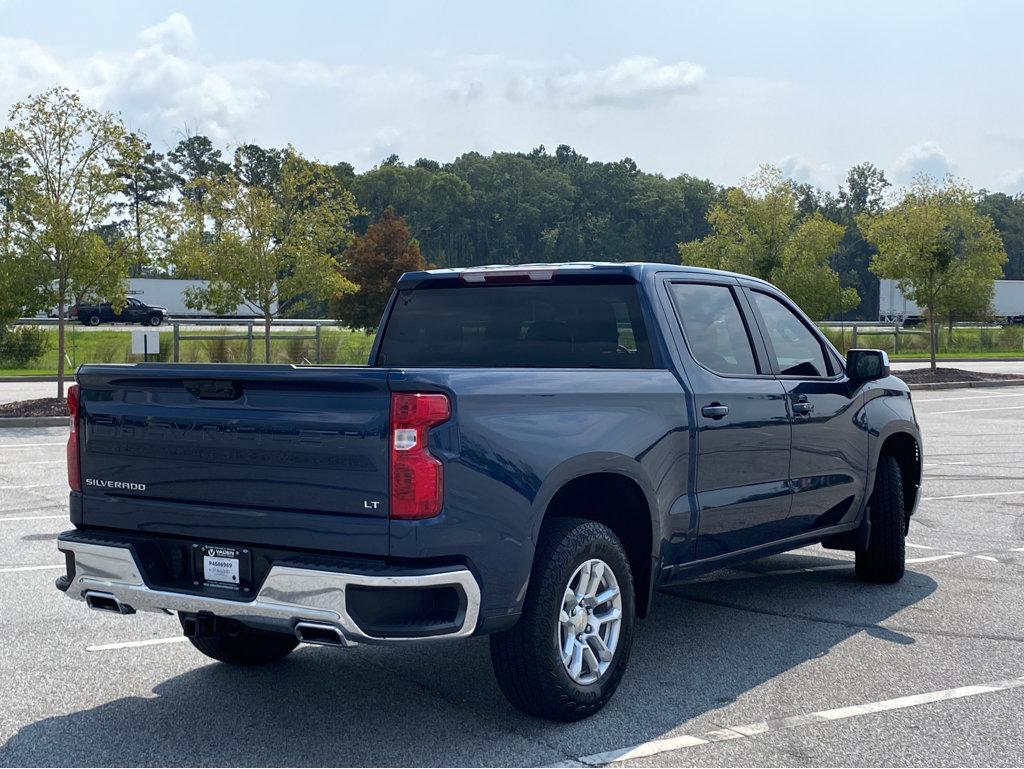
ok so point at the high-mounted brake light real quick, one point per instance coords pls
(417, 477)
(507, 276)
(74, 457)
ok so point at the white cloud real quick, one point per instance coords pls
(631, 82)
(924, 158)
(173, 33)
(802, 171)
(1012, 182)
(441, 105)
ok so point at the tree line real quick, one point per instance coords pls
(84, 204)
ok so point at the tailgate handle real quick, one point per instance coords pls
(212, 389)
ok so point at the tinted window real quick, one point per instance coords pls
(797, 350)
(714, 327)
(547, 326)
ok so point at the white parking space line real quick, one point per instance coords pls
(28, 445)
(930, 558)
(921, 547)
(969, 496)
(986, 558)
(971, 411)
(33, 486)
(39, 462)
(136, 644)
(31, 568)
(33, 518)
(654, 747)
(919, 400)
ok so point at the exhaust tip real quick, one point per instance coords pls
(107, 602)
(321, 634)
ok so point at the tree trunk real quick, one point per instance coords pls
(266, 338)
(60, 340)
(932, 337)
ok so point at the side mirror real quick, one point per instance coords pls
(867, 365)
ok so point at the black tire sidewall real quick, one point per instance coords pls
(527, 658)
(613, 557)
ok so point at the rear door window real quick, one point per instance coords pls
(714, 328)
(584, 325)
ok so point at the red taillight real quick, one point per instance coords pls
(417, 477)
(74, 459)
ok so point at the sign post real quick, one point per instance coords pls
(145, 342)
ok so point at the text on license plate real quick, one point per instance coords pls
(220, 569)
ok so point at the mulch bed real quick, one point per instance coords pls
(42, 407)
(941, 374)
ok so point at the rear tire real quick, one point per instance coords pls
(884, 559)
(247, 648)
(528, 658)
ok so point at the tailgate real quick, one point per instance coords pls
(277, 455)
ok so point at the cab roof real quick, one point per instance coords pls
(545, 271)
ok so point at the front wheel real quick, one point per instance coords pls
(884, 559)
(565, 657)
(155, 320)
(94, 320)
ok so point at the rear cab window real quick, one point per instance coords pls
(558, 324)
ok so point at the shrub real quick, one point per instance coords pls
(20, 345)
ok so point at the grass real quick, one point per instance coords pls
(340, 346)
(966, 342)
(337, 346)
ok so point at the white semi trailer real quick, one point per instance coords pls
(170, 293)
(894, 307)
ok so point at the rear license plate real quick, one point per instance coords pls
(226, 568)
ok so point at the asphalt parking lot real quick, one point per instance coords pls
(788, 661)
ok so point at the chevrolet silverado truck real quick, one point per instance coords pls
(530, 452)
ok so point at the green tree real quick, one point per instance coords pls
(146, 182)
(376, 260)
(943, 253)
(1007, 214)
(756, 230)
(194, 164)
(267, 249)
(64, 192)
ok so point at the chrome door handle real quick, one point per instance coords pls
(715, 411)
(803, 407)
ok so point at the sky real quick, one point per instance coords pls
(712, 89)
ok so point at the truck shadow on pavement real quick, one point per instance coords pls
(705, 646)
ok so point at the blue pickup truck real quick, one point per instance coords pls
(530, 452)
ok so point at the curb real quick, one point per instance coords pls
(960, 385)
(70, 379)
(33, 422)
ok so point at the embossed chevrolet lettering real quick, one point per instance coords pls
(124, 485)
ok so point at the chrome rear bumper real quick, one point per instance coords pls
(109, 578)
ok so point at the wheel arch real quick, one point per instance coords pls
(905, 448)
(613, 494)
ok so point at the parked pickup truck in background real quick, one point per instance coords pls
(133, 311)
(530, 452)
